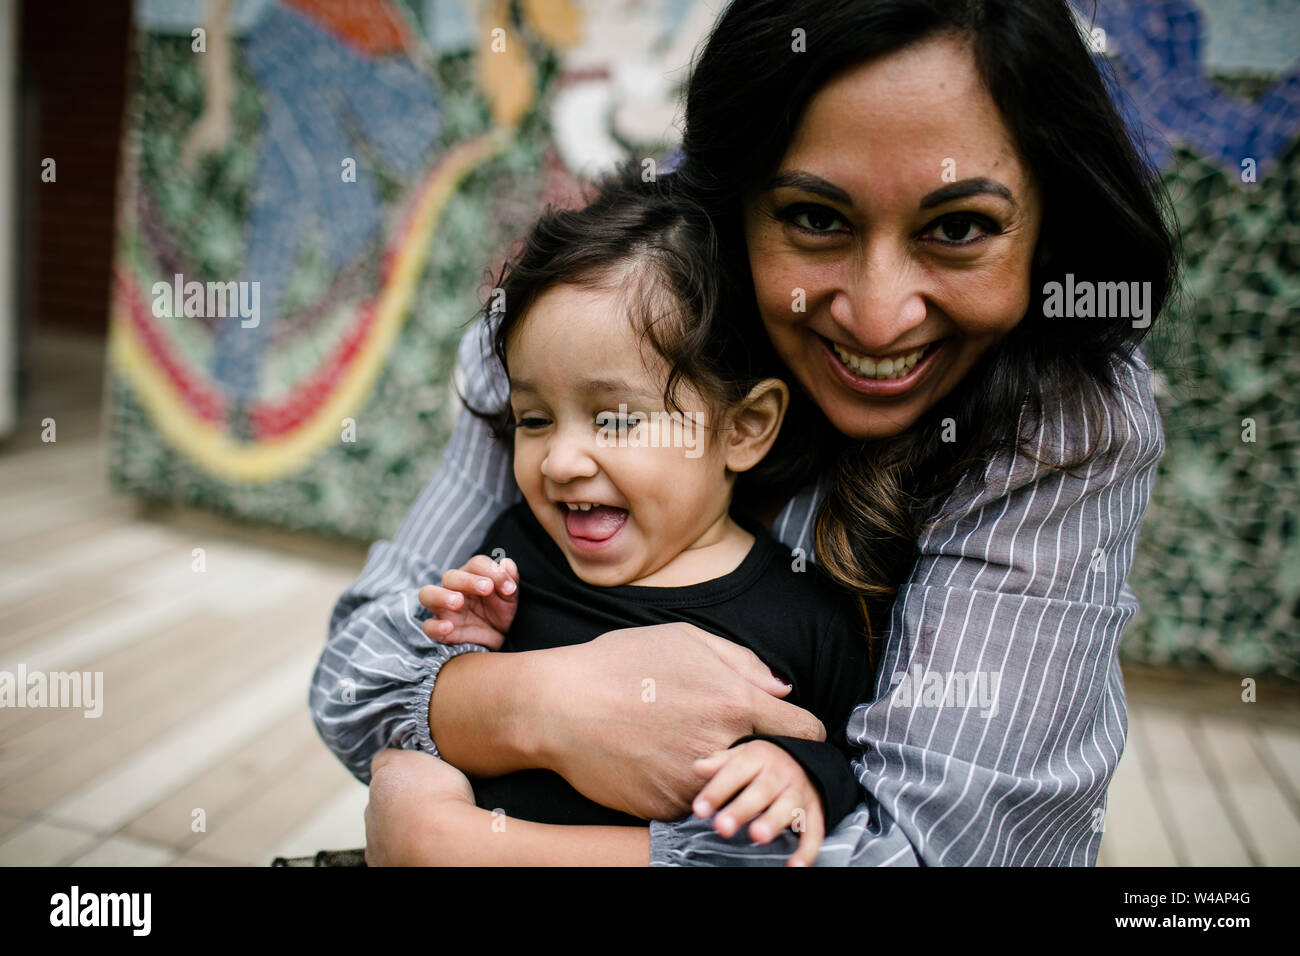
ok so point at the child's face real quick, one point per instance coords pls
(663, 485)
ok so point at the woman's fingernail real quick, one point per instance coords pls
(702, 808)
(483, 586)
(780, 679)
(508, 587)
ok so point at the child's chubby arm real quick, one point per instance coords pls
(759, 781)
(422, 813)
(476, 603)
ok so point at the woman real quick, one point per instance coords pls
(912, 185)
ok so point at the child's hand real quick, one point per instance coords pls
(475, 605)
(763, 779)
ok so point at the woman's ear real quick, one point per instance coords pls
(755, 422)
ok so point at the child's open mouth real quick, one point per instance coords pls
(590, 525)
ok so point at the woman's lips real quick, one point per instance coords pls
(877, 387)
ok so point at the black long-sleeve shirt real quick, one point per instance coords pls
(785, 609)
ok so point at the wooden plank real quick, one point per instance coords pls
(41, 843)
(137, 783)
(1280, 752)
(73, 765)
(226, 783)
(1135, 835)
(259, 826)
(339, 825)
(1207, 834)
(201, 652)
(1264, 812)
(124, 851)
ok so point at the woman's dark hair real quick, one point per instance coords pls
(661, 252)
(1105, 218)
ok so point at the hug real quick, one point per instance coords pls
(911, 472)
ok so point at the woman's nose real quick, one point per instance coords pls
(879, 299)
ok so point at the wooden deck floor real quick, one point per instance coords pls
(205, 677)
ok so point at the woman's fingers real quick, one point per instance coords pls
(780, 719)
(744, 662)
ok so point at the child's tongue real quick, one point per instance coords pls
(599, 523)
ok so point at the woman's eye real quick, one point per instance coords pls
(961, 230)
(815, 219)
(531, 421)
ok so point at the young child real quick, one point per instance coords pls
(636, 404)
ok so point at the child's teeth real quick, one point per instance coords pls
(886, 368)
(573, 506)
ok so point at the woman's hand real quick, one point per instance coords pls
(624, 717)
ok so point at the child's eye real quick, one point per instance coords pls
(618, 422)
(532, 421)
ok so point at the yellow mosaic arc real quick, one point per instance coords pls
(209, 446)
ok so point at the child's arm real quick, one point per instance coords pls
(488, 839)
(422, 813)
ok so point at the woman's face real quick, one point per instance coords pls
(892, 246)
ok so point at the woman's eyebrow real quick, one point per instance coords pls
(967, 187)
(809, 183)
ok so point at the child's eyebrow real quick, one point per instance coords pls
(592, 386)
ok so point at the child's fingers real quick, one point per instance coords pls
(468, 583)
(733, 774)
(501, 579)
(779, 815)
(708, 766)
(810, 842)
(438, 630)
(440, 599)
(749, 803)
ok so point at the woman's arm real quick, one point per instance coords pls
(372, 685)
(999, 711)
(583, 712)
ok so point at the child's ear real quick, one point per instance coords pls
(755, 422)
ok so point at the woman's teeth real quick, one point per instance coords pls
(883, 368)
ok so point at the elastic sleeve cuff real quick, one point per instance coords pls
(420, 702)
(827, 768)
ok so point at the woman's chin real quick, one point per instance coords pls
(856, 421)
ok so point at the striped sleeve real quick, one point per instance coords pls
(999, 715)
(372, 684)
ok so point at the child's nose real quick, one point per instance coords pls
(568, 457)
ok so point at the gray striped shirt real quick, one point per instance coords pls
(999, 713)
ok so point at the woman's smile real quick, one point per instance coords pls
(882, 376)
